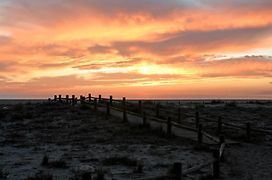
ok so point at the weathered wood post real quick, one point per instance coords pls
(144, 119)
(197, 117)
(95, 104)
(55, 98)
(222, 140)
(108, 108)
(216, 164)
(81, 99)
(124, 110)
(157, 110)
(140, 106)
(248, 131)
(179, 115)
(73, 100)
(90, 97)
(169, 126)
(177, 171)
(219, 125)
(67, 99)
(199, 134)
(59, 98)
(100, 98)
(110, 100)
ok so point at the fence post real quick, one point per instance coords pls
(59, 98)
(140, 106)
(179, 115)
(197, 118)
(221, 141)
(110, 100)
(219, 125)
(199, 134)
(67, 99)
(81, 99)
(216, 164)
(55, 98)
(177, 171)
(124, 110)
(108, 108)
(144, 118)
(248, 131)
(157, 110)
(73, 100)
(169, 126)
(100, 98)
(90, 97)
(95, 104)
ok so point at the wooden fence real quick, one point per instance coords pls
(150, 108)
(156, 112)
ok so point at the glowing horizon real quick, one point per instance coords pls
(138, 49)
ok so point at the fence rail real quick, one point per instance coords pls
(158, 110)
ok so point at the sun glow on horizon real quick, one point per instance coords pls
(158, 69)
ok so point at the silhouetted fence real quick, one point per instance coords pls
(156, 111)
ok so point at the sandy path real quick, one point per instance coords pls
(175, 130)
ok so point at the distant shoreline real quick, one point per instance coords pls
(20, 101)
(215, 101)
(163, 99)
(159, 99)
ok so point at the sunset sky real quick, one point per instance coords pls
(136, 48)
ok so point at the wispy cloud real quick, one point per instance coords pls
(128, 43)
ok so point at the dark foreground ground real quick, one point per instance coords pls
(78, 142)
(40, 141)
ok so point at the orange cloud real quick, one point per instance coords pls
(129, 44)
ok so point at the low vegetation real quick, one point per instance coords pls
(40, 177)
(126, 161)
(54, 164)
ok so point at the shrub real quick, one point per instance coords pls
(54, 164)
(45, 161)
(40, 177)
(84, 107)
(18, 107)
(58, 164)
(231, 104)
(84, 173)
(100, 174)
(139, 168)
(17, 116)
(119, 161)
(3, 174)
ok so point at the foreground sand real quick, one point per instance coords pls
(89, 141)
(76, 141)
